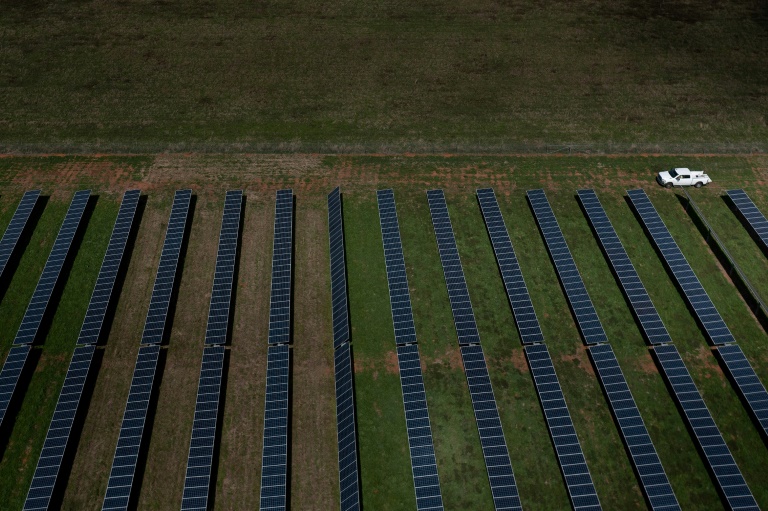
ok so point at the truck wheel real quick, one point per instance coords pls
(699, 184)
(668, 185)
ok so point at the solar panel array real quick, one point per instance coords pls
(589, 324)
(223, 275)
(697, 297)
(399, 294)
(49, 463)
(751, 214)
(16, 226)
(643, 455)
(349, 479)
(500, 474)
(105, 282)
(9, 376)
(570, 456)
(519, 298)
(274, 460)
(423, 463)
(154, 326)
(200, 459)
(44, 289)
(746, 379)
(282, 252)
(121, 481)
(727, 474)
(645, 311)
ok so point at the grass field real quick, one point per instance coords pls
(467, 76)
(385, 469)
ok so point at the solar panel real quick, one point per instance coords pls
(349, 480)
(697, 297)
(120, 482)
(653, 478)
(517, 293)
(495, 452)
(349, 486)
(646, 312)
(399, 295)
(9, 376)
(154, 326)
(200, 459)
(423, 463)
(718, 456)
(49, 463)
(16, 226)
(750, 386)
(221, 294)
(338, 269)
(105, 282)
(570, 456)
(589, 324)
(751, 214)
(282, 251)
(45, 286)
(274, 460)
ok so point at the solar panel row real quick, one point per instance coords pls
(570, 456)
(589, 324)
(695, 294)
(105, 282)
(727, 474)
(746, 379)
(653, 478)
(223, 275)
(16, 226)
(519, 298)
(121, 481)
(154, 325)
(349, 480)
(423, 463)
(44, 289)
(200, 459)
(274, 460)
(338, 269)
(397, 280)
(49, 463)
(9, 376)
(494, 445)
(646, 312)
(282, 254)
(751, 214)
(559, 423)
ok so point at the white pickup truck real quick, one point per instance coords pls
(682, 177)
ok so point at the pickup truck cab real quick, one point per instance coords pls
(682, 177)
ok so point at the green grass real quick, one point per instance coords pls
(329, 76)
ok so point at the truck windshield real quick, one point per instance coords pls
(673, 173)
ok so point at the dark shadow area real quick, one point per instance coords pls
(117, 290)
(752, 234)
(141, 460)
(724, 259)
(75, 434)
(744, 402)
(690, 430)
(69, 261)
(235, 274)
(21, 245)
(14, 406)
(219, 427)
(170, 316)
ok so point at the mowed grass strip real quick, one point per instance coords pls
(31, 424)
